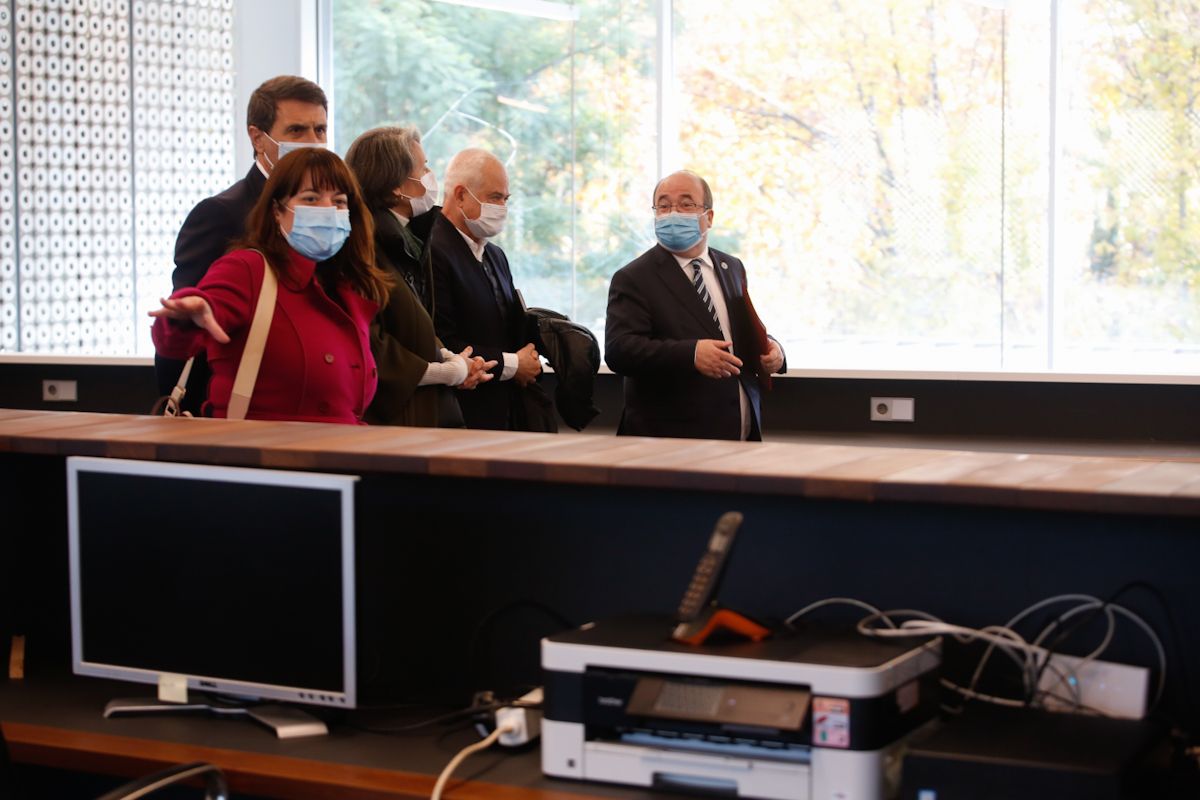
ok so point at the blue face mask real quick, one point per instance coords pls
(318, 232)
(288, 147)
(678, 232)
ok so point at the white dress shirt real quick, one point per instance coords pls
(708, 272)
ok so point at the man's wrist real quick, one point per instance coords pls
(782, 354)
(511, 362)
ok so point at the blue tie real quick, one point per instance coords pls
(702, 290)
(494, 280)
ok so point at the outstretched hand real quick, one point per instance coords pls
(195, 310)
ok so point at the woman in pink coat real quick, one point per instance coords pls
(315, 232)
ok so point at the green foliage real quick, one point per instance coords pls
(1146, 69)
(537, 93)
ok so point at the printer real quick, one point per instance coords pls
(811, 715)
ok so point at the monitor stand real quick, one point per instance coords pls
(285, 721)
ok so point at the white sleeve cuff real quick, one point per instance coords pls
(510, 366)
(451, 372)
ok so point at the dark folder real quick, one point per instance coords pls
(762, 342)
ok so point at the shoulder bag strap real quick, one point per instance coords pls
(172, 404)
(247, 373)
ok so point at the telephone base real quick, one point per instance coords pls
(697, 631)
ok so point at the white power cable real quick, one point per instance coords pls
(998, 636)
(1010, 642)
(845, 601)
(1095, 602)
(1030, 656)
(1031, 667)
(462, 755)
(1090, 657)
(1066, 615)
(928, 625)
(1012, 623)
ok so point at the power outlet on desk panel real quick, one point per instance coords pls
(59, 391)
(893, 409)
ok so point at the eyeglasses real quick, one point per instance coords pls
(683, 207)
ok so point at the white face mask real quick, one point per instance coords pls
(287, 147)
(491, 219)
(426, 201)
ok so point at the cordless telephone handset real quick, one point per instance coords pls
(698, 615)
(707, 577)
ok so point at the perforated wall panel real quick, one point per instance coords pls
(115, 119)
(9, 284)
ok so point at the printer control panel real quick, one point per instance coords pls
(720, 704)
(677, 711)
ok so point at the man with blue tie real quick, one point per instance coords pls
(475, 302)
(682, 331)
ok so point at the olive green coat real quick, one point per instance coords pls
(402, 336)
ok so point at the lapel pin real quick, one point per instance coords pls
(724, 265)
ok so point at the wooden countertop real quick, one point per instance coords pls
(1133, 485)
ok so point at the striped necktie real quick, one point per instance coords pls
(702, 290)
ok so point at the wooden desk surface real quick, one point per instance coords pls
(57, 723)
(1134, 485)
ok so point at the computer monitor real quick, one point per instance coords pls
(240, 581)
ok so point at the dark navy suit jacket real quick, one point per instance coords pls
(466, 313)
(654, 319)
(212, 225)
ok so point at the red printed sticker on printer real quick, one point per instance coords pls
(831, 722)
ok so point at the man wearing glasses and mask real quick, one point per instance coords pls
(283, 114)
(682, 331)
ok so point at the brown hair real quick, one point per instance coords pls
(264, 102)
(382, 160)
(355, 262)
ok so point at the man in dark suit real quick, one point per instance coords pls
(475, 302)
(682, 331)
(284, 113)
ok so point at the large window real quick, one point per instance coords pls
(978, 185)
(1126, 250)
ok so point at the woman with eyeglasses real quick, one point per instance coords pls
(312, 230)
